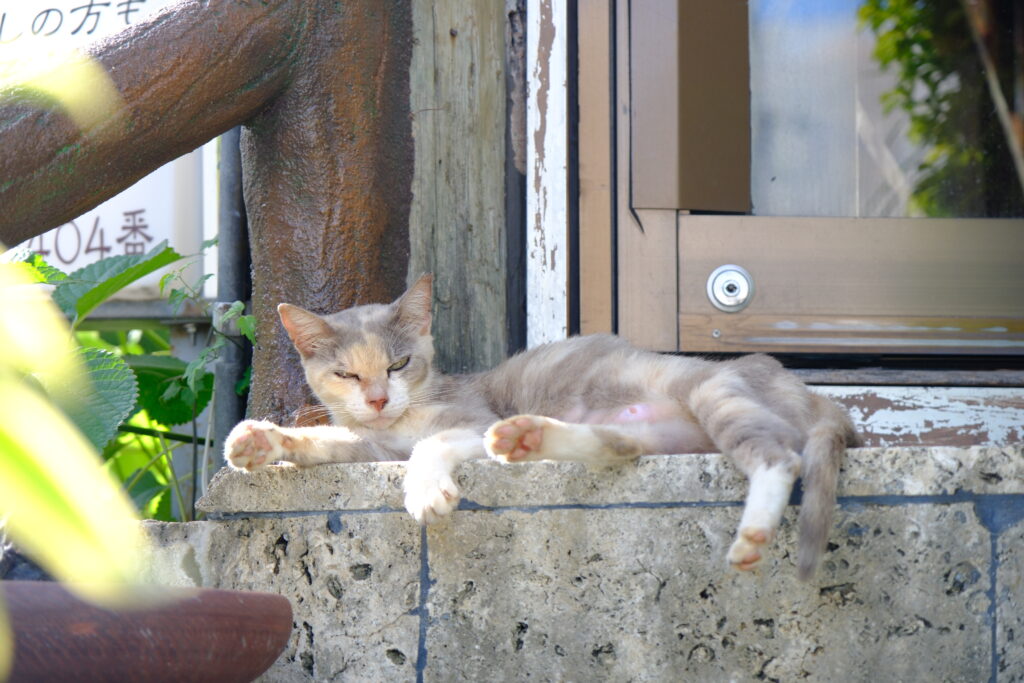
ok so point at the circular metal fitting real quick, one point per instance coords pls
(730, 288)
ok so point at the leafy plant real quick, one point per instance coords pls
(138, 390)
(969, 170)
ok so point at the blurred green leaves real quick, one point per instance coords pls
(60, 505)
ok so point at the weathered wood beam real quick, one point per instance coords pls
(459, 213)
(186, 76)
(323, 90)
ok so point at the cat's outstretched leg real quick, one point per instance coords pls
(430, 490)
(763, 445)
(534, 437)
(766, 501)
(254, 444)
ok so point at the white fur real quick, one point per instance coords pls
(766, 502)
(430, 490)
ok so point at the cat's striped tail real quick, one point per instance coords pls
(827, 441)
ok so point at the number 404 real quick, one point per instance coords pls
(67, 242)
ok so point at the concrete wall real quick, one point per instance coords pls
(550, 571)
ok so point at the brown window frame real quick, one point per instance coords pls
(644, 261)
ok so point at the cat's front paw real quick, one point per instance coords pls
(254, 444)
(430, 493)
(746, 551)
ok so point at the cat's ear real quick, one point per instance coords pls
(413, 307)
(307, 330)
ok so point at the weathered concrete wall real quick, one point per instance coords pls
(550, 571)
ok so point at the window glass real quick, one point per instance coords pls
(887, 108)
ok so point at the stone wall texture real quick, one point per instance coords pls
(552, 571)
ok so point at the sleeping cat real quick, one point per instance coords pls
(592, 399)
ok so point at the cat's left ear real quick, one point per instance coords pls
(413, 307)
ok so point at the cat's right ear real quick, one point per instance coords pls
(307, 330)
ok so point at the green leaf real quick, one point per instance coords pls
(98, 406)
(177, 299)
(24, 271)
(160, 507)
(243, 383)
(32, 266)
(60, 505)
(247, 326)
(234, 310)
(113, 338)
(88, 287)
(164, 280)
(50, 274)
(173, 390)
(196, 370)
(163, 391)
(123, 455)
(153, 340)
(146, 487)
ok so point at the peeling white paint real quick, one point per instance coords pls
(546, 172)
(907, 416)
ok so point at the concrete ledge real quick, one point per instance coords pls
(552, 571)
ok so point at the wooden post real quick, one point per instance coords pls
(460, 215)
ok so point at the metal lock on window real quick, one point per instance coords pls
(730, 288)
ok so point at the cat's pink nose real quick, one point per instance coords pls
(377, 403)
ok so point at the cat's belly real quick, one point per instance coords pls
(662, 425)
(651, 411)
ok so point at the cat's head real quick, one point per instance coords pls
(367, 364)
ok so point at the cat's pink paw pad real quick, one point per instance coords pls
(252, 445)
(516, 438)
(745, 553)
(756, 536)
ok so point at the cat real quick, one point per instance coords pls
(593, 399)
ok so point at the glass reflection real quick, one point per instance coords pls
(887, 108)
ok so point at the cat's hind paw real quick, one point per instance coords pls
(516, 438)
(747, 550)
(430, 496)
(254, 444)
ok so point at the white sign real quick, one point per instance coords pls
(165, 205)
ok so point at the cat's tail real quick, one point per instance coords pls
(827, 441)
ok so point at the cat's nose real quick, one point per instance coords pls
(378, 403)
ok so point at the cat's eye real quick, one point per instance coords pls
(346, 375)
(399, 364)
